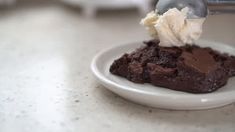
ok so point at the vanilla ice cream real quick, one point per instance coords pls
(173, 28)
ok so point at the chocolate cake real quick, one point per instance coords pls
(189, 68)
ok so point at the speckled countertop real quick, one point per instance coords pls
(46, 84)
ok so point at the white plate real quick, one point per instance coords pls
(150, 95)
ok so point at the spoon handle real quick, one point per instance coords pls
(221, 1)
(221, 7)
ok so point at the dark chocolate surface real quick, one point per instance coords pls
(189, 68)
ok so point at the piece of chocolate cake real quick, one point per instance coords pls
(189, 68)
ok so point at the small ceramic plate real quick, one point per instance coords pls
(159, 97)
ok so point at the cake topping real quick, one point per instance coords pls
(173, 28)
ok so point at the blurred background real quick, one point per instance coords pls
(46, 47)
(85, 18)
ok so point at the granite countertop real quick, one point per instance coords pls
(46, 84)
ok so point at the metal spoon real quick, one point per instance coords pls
(197, 8)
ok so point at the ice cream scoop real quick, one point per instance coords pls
(197, 8)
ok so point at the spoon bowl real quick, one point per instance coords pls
(197, 8)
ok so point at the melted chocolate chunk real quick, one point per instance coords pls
(200, 59)
(189, 68)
